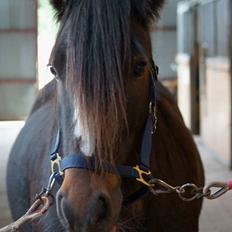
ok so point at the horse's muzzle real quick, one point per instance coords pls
(93, 216)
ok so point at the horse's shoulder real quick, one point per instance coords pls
(175, 137)
(46, 94)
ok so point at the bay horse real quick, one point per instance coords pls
(96, 107)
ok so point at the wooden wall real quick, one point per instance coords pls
(18, 57)
(184, 86)
(216, 108)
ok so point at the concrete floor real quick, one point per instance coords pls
(8, 133)
(216, 215)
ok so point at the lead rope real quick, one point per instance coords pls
(36, 211)
(42, 202)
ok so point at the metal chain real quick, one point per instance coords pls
(189, 191)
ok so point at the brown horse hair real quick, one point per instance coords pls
(98, 57)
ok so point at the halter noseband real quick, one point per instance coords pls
(141, 172)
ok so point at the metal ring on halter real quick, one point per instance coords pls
(152, 111)
(51, 184)
(188, 188)
(56, 165)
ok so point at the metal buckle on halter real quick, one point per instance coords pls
(141, 174)
(56, 163)
(152, 111)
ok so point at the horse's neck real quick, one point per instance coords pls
(45, 95)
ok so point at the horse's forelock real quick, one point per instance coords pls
(98, 50)
(98, 55)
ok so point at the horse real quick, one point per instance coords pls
(96, 109)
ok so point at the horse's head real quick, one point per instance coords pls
(102, 58)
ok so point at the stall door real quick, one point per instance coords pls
(187, 64)
(18, 55)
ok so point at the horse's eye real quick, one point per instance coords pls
(53, 71)
(139, 69)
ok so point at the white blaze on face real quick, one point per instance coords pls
(82, 132)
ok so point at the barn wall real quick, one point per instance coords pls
(164, 39)
(188, 47)
(230, 57)
(18, 56)
(216, 108)
(204, 29)
(184, 86)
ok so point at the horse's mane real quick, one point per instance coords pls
(98, 42)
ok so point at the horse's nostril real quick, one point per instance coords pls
(100, 209)
(62, 210)
(103, 207)
(94, 214)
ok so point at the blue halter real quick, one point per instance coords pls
(141, 172)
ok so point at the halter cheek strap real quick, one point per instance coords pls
(141, 172)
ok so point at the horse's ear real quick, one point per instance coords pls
(59, 6)
(156, 6)
(148, 10)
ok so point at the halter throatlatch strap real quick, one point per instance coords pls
(56, 159)
(141, 172)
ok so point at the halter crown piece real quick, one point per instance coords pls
(141, 172)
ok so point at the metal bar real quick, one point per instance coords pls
(230, 55)
(185, 6)
(36, 36)
(165, 28)
(204, 2)
(215, 42)
(18, 31)
(195, 110)
(17, 81)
